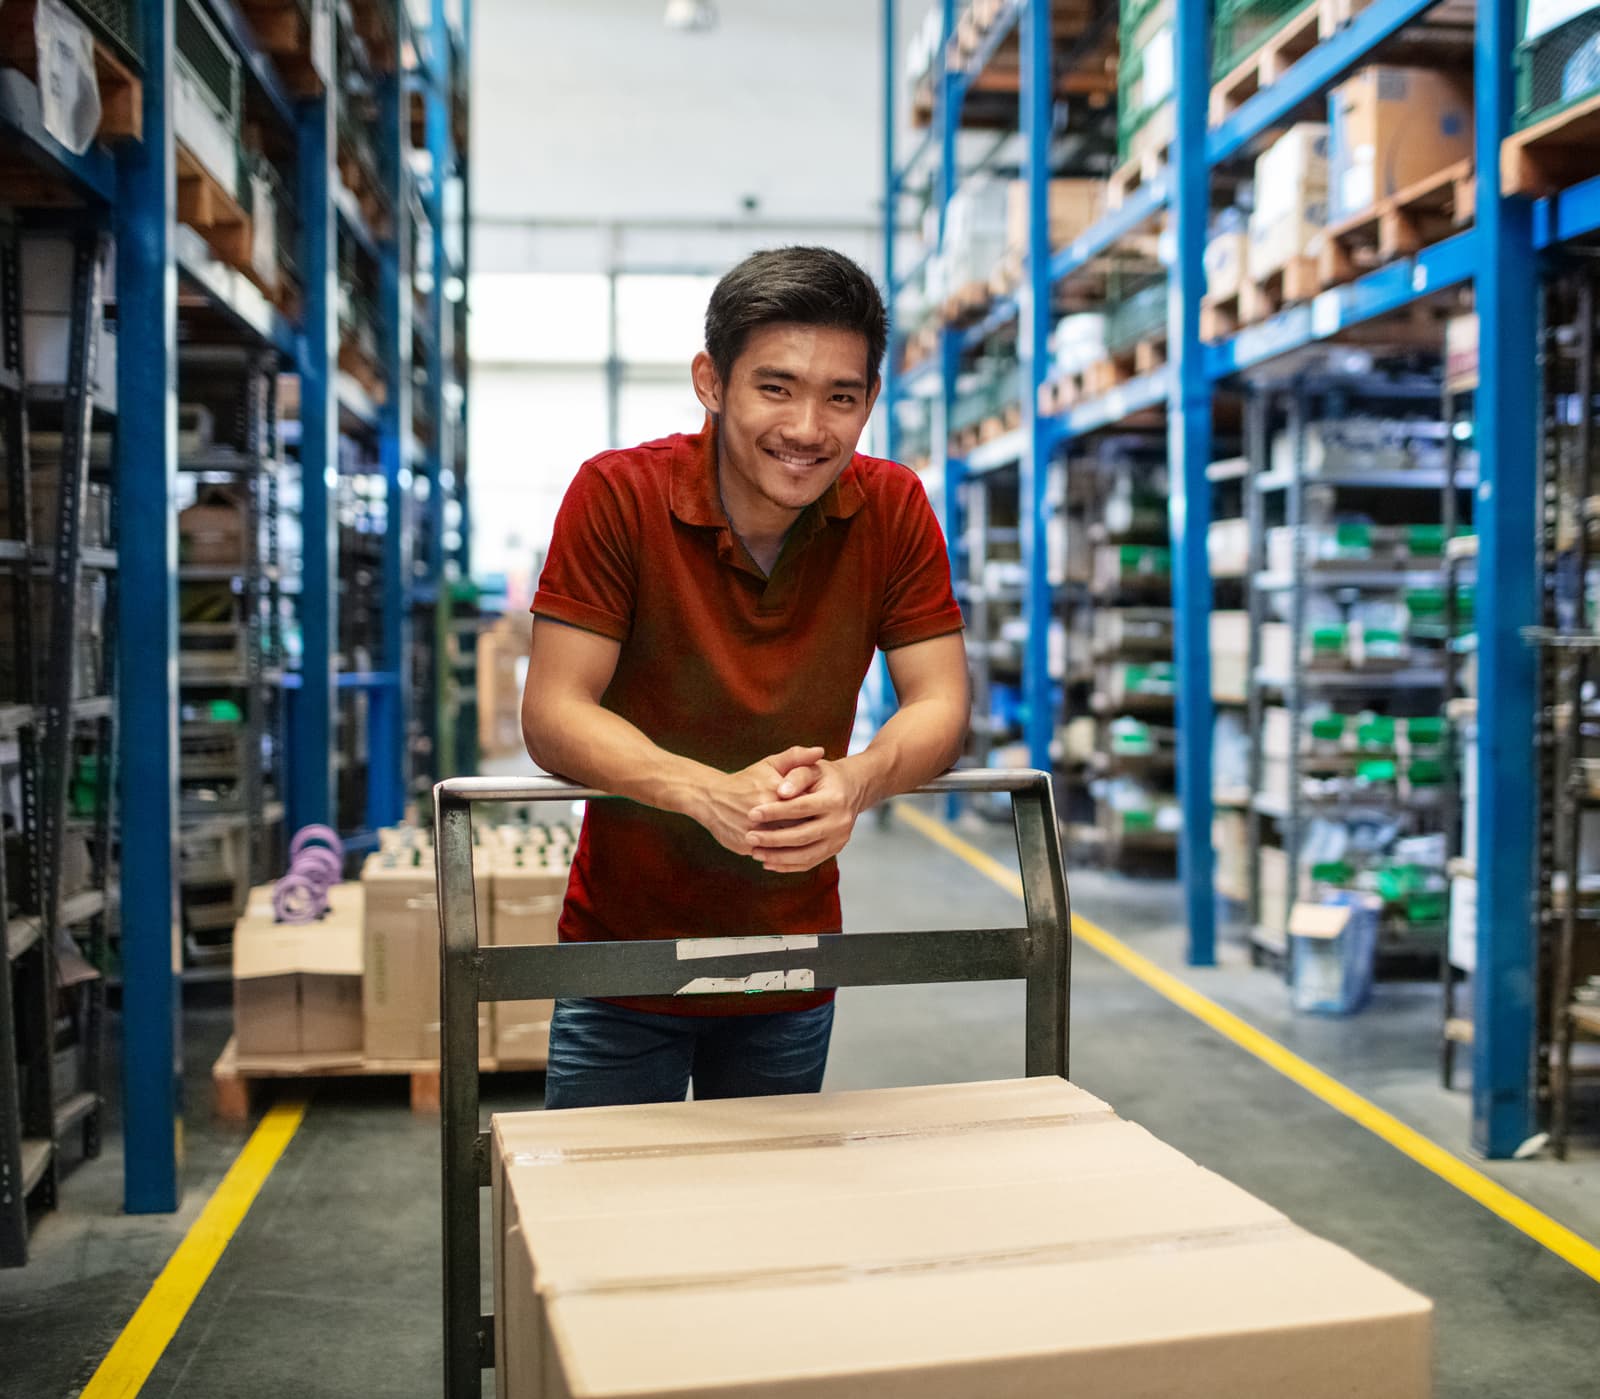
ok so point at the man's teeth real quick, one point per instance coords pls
(790, 459)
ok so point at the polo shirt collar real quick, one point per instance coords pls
(696, 501)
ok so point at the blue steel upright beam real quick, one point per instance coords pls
(1189, 453)
(947, 121)
(891, 218)
(1034, 303)
(312, 734)
(147, 633)
(1504, 984)
(386, 767)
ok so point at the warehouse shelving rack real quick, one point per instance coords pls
(1497, 255)
(130, 191)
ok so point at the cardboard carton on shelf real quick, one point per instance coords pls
(1291, 181)
(1230, 838)
(1074, 206)
(1391, 127)
(1228, 548)
(212, 530)
(1227, 253)
(1126, 1267)
(400, 937)
(529, 891)
(297, 987)
(1230, 655)
(1272, 865)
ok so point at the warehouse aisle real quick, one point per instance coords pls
(330, 1286)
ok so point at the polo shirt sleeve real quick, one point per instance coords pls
(918, 603)
(590, 575)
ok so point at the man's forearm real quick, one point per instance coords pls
(587, 743)
(922, 740)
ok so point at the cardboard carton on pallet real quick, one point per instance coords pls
(529, 890)
(400, 939)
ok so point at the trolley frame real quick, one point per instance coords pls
(1038, 953)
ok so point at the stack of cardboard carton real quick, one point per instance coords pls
(1012, 1238)
(1291, 198)
(529, 878)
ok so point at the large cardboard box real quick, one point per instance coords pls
(1391, 127)
(297, 987)
(1273, 868)
(1230, 656)
(1230, 839)
(1228, 548)
(1011, 1238)
(1291, 181)
(400, 995)
(528, 894)
(1074, 205)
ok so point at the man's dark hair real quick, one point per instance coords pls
(804, 286)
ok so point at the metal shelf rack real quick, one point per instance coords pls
(386, 206)
(1497, 256)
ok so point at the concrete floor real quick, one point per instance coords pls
(331, 1285)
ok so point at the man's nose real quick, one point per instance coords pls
(805, 424)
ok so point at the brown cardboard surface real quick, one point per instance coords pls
(1074, 205)
(527, 899)
(400, 995)
(1391, 128)
(1006, 1238)
(297, 987)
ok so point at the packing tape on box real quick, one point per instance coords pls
(1076, 1251)
(575, 1155)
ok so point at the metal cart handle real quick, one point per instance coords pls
(1038, 953)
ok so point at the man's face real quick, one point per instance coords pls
(793, 408)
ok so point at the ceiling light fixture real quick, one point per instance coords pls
(691, 16)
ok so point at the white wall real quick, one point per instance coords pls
(600, 138)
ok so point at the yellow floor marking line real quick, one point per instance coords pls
(1538, 1226)
(128, 1365)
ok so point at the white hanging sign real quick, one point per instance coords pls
(69, 92)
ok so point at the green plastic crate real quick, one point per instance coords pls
(1240, 27)
(1556, 69)
(118, 22)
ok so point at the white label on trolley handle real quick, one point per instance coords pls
(690, 948)
(797, 979)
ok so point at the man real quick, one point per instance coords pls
(705, 618)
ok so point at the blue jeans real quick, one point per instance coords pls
(602, 1055)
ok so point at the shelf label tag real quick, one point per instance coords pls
(69, 91)
(1325, 310)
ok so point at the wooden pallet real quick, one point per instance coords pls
(283, 30)
(1402, 224)
(1066, 391)
(213, 213)
(967, 305)
(361, 367)
(232, 1076)
(1138, 170)
(1220, 316)
(121, 91)
(1266, 65)
(1554, 153)
(1264, 296)
(1000, 424)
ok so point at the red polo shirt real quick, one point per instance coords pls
(727, 666)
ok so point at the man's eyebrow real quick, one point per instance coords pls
(763, 371)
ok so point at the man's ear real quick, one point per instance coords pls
(707, 384)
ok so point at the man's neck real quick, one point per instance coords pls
(761, 526)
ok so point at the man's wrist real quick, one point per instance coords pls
(864, 775)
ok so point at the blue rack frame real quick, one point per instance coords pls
(1498, 255)
(134, 189)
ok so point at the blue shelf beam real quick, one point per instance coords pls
(1504, 1100)
(1311, 77)
(1033, 307)
(1379, 293)
(1137, 210)
(94, 173)
(1189, 504)
(310, 754)
(147, 638)
(1573, 213)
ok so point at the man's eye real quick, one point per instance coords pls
(846, 398)
(772, 388)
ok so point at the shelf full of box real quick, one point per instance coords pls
(1375, 663)
(1568, 643)
(57, 458)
